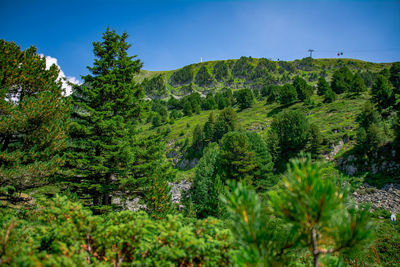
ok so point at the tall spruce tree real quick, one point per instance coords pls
(237, 161)
(33, 116)
(106, 108)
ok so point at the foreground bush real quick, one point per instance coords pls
(64, 233)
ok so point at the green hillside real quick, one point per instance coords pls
(246, 162)
(246, 72)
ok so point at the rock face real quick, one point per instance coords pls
(128, 204)
(384, 162)
(334, 151)
(186, 164)
(177, 189)
(388, 197)
(134, 204)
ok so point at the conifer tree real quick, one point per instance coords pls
(238, 162)
(227, 121)
(304, 91)
(316, 210)
(358, 85)
(206, 184)
(33, 115)
(382, 93)
(288, 94)
(329, 96)
(323, 86)
(244, 98)
(395, 76)
(341, 80)
(264, 164)
(209, 129)
(293, 130)
(107, 106)
(315, 140)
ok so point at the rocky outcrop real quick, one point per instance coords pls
(186, 164)
(177, 189)
(334, 150)
(388, 197)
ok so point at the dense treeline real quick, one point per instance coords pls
(270, 203)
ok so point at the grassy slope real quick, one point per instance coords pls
(335, 120)
(327, 64)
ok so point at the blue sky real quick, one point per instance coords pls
(170, 34)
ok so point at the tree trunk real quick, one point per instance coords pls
(315, 246)
(106, 195)
(6, 142)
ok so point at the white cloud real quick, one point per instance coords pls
(68, 89)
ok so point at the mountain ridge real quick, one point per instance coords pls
(245, 72)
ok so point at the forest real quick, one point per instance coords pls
(288, 163)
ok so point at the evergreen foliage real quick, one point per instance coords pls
(182, 76)
(323, 86)
(155, 87)
(329, 96)
(382, 93)
(358, 85)
(395, 76)
(209, 129)
(315, 140)
(64, 233)
(207, 185)
(287, 94)
(221, 71)
(292, 130)
(272, 92)
(316, 211)
(341, 80)
(304, 90)
(288, 66)
(104, 155)
(244, 98)
(260, 238)
(204, 78)
(263, 172)
(33, 116)
(238, 162)
(242, 68)
(227, 121)
(368, 77)
(209, 102)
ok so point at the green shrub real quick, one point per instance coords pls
(64, 233)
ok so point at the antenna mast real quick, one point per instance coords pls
(310, 50)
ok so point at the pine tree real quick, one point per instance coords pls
(187, 109)
(293, 130)
(304, 91)
(395, 76)
(244, 98)
(316, 209)
(238, 162)
(33, 115)
(263, 171)
(341, 80)
(209, 129)
(358, 85)
(329, 96)
(206, 184)
(323, 86)
(382, 93)
(288, 94)
(315, 140)
(107, 106)
(227, 121)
